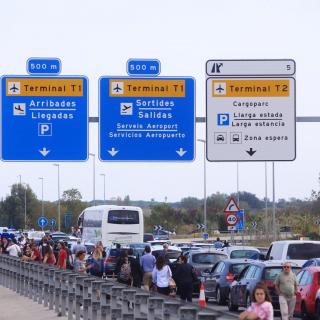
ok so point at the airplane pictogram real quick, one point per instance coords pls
(14, 87)
(117, 88)
(220, 89)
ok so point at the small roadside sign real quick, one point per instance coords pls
(42, 222)
(205, 236)
(240, 216)
(231, 219)
(231, 206)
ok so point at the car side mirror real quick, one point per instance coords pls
(262, 257)
(271, 257)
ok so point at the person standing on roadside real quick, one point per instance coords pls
(164, 254)
(13, 249)
(286, 287)
(161, 275)
(135, 269)
(62, 256)
(147, 263)
(218, 244)
(184, 277)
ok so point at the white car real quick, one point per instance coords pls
(173, 252)
(242, 252)
(297, 251)
(159, 242)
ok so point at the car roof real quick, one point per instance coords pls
(313, 269)
(236, 261)
(159, 247)
(240, 248)
(296, 241)
(278, 263)
(205, 250)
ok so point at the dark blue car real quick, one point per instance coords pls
(266, 272)
(315, 262)
(218, 281)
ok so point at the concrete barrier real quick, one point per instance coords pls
(85, 297)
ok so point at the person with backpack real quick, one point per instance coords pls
(123, 269)
(135, 269)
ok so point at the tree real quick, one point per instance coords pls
(12, 209)
(71, 195)
(71, 203)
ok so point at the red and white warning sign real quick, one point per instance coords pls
(231, 219)
(231, 206)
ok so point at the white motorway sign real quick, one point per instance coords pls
(251, 117)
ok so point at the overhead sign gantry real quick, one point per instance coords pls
(146, 118)
(251, 112)
(44, 118)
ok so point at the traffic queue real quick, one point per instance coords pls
(286, 275)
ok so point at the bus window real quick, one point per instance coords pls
(123, 217)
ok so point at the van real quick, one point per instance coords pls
(297, 251)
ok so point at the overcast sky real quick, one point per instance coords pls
(95, 38)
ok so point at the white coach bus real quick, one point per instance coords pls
(112, 224)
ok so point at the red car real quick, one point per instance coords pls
(308, 285)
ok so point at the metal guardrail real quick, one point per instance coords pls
(80, 296)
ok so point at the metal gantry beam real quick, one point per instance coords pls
(203, 119)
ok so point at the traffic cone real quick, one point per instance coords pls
(202, 297)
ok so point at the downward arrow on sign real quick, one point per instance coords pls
(181, 152)
(113, 152)
(44, 151)
(251, 152)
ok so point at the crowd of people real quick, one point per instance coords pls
(148, 272)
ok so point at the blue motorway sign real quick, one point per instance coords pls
(140, 67)
(240, 215)
(43, 66)
(42, 222)
(146, 119)
(44, 118)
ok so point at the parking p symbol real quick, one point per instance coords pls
(45, 129)
(223, 119)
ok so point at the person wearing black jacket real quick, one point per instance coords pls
(184, 276)
(135, 269)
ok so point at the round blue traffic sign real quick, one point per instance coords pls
(53, 222)
(42, 222)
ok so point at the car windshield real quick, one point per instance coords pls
(270, 273)
(237, 268)
(172, 254)
(303, 251)
(207, 258)
(244, 254)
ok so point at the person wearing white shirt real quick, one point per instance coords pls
(13, 249)
(160, 276)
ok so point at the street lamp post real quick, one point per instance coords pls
(104, 187)
(204, 185)
(59, 208)
(42, 207)
(25, 206)
(94, 177)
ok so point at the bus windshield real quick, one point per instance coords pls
(123, 217)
